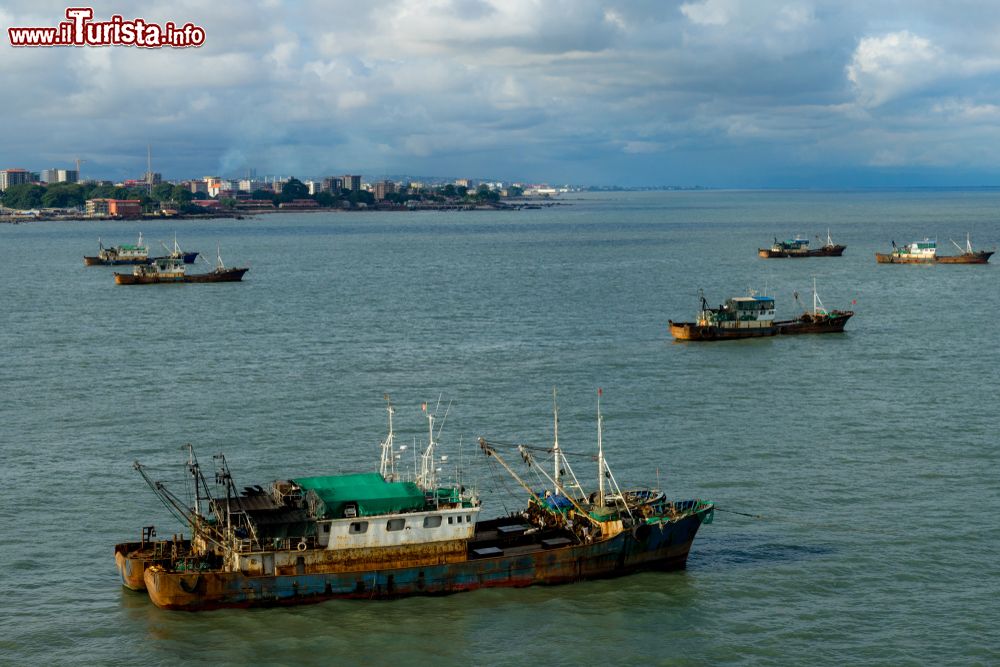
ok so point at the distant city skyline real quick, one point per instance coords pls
(716, 93)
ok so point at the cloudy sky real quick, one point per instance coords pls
(724, 93)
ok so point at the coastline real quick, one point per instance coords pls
(240, 215)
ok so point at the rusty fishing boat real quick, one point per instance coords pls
(799, 247)
(739, 317)
(817, 320)
(116, 255)
(378, 535)
(925, 252)
(172, 270)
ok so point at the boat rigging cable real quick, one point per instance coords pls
(538, 448)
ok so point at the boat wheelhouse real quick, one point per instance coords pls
(918, 252)
(739, 317)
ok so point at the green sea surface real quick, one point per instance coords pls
(870, 457)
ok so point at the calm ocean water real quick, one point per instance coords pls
(870, 456)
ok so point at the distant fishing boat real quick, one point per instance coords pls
(172, 270)
(925, 252)
(799, 247)
(122, 254)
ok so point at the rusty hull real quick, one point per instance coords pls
(659, 546)
(691, 331)
(825, 251)
(808, 324)
(133, 559)
(981, 257)
(225, 276)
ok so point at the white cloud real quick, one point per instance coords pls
(709, 12)
(888, 66)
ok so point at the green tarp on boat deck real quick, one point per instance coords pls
(369, 491)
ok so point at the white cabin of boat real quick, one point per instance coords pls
(742, 312)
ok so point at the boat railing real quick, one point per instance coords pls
(679, 509)
(247, 545)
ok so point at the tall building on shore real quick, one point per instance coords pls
(383, 188)
(352, 183)
(9, 177)
(60, 176)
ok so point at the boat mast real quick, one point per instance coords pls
(555, 444)
(192, 465)
(600, 452)
(386, 467)
(427, 480)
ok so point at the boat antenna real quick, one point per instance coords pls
(555, 439)
(600, 452)
(443, 419)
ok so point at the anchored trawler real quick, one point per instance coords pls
(172, 270)
(122, 254)
(925, 252)
(799, 247)
(377, 535)
(753, 317)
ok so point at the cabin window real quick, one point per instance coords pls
(326, 528)
(468, 518)
(432, 521)
(358, 527)
(395, 524)
(459, 518)
(451, 519)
